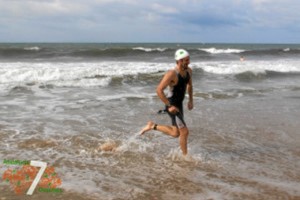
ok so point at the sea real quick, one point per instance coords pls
(60, 103)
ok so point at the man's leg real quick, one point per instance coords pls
(178, 128)
(169, 130)
(183, 138)
(172, 131)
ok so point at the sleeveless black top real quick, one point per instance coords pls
(177, 92)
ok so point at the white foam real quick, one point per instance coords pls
(82, 82)
(80, 184)
(134, 143)
(125, 95)
(290, 186)
(209, 194)
(32, 48)
(149, 49)
(219, 51)
(176, 155)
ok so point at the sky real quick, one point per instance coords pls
(179, 21)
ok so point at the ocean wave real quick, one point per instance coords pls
(16, 53)
(253, 52)
(288, 67)
(274, 74)
(232, 93)
(139, 52)
(134, 54)
(125, 96)
(78, 74)
(254, 76)
(21, 90)
(93, 74)
(250, 76)
(217, 95)
(272, 52)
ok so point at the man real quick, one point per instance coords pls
(178, 80)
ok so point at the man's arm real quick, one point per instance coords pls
(166, 81)
(190, 90)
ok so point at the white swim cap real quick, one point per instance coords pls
(181, 53)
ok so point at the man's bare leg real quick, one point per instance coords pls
(172, 131)
(184, 132)
(148, 127)
(169, 130)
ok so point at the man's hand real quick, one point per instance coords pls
(190, 105)
(173, 109)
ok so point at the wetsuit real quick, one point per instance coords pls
(176, 96)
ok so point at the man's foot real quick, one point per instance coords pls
(148, 127)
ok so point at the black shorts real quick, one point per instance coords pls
(177, 118)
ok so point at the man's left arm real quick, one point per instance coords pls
(190, 91)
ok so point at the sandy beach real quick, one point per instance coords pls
(80, 112)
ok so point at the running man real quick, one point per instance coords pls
(178, 80)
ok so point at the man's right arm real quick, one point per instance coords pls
(166, 81)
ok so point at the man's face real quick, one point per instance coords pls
(184, 63)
